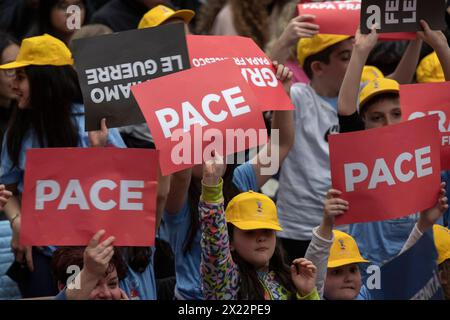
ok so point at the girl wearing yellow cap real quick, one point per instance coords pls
(337, 256)
(48, 113)
(240, 258)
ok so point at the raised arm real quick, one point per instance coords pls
(406, 68)
(299, 27)
(437, 40)
(178, 191)
(219, 274)
(348, 95)
(271, 156)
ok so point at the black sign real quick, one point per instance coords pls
(402, 15)
(109, 65)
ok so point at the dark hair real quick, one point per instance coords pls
(322, 56)
(250, 287)
(137, 258)
(64, 257)
(229, 192)
(45, 21)
(5, 41)
(376, 99)
(444, 268)
(53, 90)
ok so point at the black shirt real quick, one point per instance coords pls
(350, 123)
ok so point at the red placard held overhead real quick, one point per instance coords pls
(420, 100)
(255, 66)
(71, 193)
(343, 17)
(389, 172)
(191, 113)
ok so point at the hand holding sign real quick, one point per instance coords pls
(430, 216)
(99, 138)
(299, 27)
(364, 43)
(333, 207)
(213, 170)
(435, 39)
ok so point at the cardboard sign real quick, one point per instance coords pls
(402, 15)
(71, 193)
(131, 57)
(420, 100)
(342, 17)
(255, 66)
(411, 276)
(216, 98)
(389, 172)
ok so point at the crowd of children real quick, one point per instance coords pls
(218, 237)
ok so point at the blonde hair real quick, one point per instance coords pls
(90, 30)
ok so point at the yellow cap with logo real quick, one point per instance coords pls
(371, 73)
(42, 50)
(442, 242)
(430, 69)
(376, 87)
(309, 46)
(252, 210)
(344, 251)
(160, 14)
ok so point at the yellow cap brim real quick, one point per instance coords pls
(184, 14)
(444, 258)
(344, 262)
(253, 225)
(14, 65)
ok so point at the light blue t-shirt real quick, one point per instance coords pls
(381, 241)
(332, 101)
(175, 230)
(10, 174)
(140, 286)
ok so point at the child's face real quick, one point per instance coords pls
(107, 288)
(332, 74)
(254, 246)
(343, 283)
(21, 88)
(383, 113)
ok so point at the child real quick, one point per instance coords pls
(324, 58)
(100, 267)
(180, 225)
(337, 255)
(442, 242)
(43, 118)
(379, 105)
(160, 15)
(241, 260)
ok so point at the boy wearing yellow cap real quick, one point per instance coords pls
(337, 256)
(160, 15)
(324, 58)
(442, 243)
(379, 105)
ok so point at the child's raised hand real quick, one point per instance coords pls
(364, 43)
(284, 75)
(213, 169)
(98, 255)
(99, 138)
(4, 196)
(334, 206)
(303, 273)
(435, 38)
(299, 27)
(430, 216)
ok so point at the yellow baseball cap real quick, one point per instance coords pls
(376, 87)
(42, 50)
(371, 73)
(252, 210)
(160, 14)
(442, 242)
(344, 251)
(309, 46)
(430, 69)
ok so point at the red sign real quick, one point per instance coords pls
(71, 193)
(419, 100)
(192, 112)
(389, 172)
(343, 17)
(255, 66)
